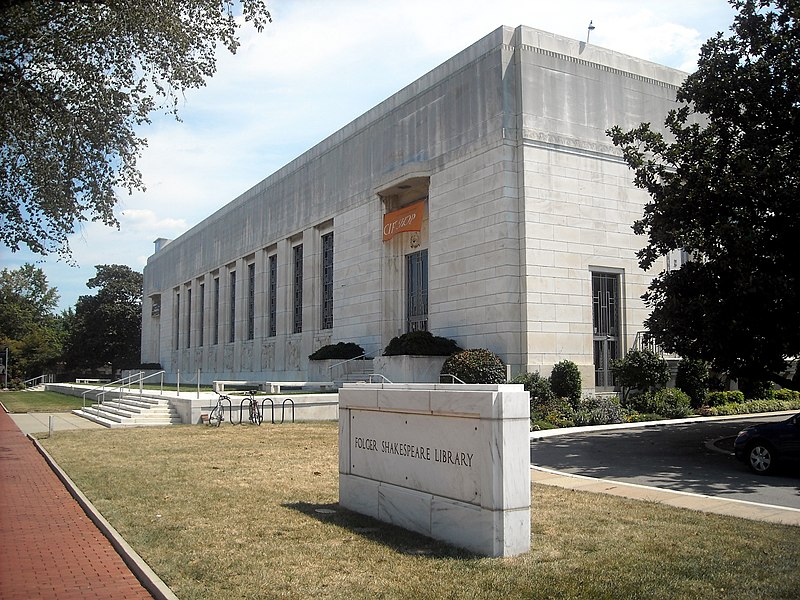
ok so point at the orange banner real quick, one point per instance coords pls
(405, 219)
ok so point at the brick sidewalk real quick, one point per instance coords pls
(49, 548)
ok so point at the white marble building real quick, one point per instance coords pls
(520, 218)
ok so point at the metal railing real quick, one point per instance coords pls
(453, 378)
(126, 383)
(40, 380)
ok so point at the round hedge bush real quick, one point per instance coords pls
(475, 366)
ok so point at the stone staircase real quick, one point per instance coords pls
(131, 411)
(354, 372)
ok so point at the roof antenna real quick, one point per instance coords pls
(589, 32)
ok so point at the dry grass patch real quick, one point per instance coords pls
(250, 512)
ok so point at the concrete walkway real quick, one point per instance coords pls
(49, 547)
(41, 422)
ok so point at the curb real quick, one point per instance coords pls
(141, 570)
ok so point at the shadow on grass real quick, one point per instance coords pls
(398, 539)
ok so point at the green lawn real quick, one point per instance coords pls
(25, 402)
(251, 512)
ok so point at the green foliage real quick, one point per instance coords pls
(557, 412)
(751, 406)
(420, 343)
(539, 389)
(724, 188)
(475, 366)
(692, 378)
(599, 410)
(720, 398)
(670, 403)
(28, 327)
(343, 350)
(785, 395)
(106, 328)
(565, 380)
(754, 389)
(77, 81)
(642, 370)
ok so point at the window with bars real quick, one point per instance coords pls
(326, 318)
(273, 296)
(177, 321)
(417, 291)
(606, 326)
(232, 313)
(202, 312)
(251, 301)
(297, 290)
(189, 317)
(215, 316)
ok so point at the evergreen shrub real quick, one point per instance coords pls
(670, 403)
(420, 343)
(720, 398)
(565, 381)
(475, 366)
(692, 378)
(341, 350)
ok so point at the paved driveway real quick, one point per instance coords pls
(675, 457)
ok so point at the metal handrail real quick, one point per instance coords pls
(344, 362)
(385, 379)
(452, 377)
(123, 383)
(34, 381)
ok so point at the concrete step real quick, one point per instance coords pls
(131, 412)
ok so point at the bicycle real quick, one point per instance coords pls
(255, 410)
(217, 415)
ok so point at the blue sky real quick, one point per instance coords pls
(318, 66)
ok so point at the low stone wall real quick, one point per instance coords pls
(409, 369)
(448, 461)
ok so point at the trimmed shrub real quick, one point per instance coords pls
(342, 350)
(670, 403)
(720, 398)
(599, 410)
(558, 412)
(752, 406)
(642, 370)
(475, 366)
(692, 378)
(785, 395)
(420, 343)
(565, 381)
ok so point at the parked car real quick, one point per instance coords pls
(766, 445)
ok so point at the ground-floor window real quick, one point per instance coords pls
(417, 291)
(273, 296)
(606, 326)
(297, 290)
(326, 316)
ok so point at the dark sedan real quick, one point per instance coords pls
(766, 445)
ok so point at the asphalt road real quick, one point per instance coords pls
(674, 457)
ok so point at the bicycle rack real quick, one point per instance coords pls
(241, 411)
(283, 409)
(272, 409)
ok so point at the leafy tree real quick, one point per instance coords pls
(76, 80)
(28, 327)
(693, 379)
(642, 370)
(725, 188)
(106, 328)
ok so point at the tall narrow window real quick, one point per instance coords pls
(189, 318)
(177, 322)
(232, 314)
(417, 291)
(606, 326)
(215, 316)
(326, 320)
(273, 296)
(251, 301)
(202, 322)
(297, 291)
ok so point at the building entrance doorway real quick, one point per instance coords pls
(417, 291)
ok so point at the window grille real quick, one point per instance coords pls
(251, 301)
(417, 291)
(606, 326)
(326, 320)
(297, 305)
(273, 296)
(232, 314)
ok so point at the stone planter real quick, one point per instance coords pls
(409, 369)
